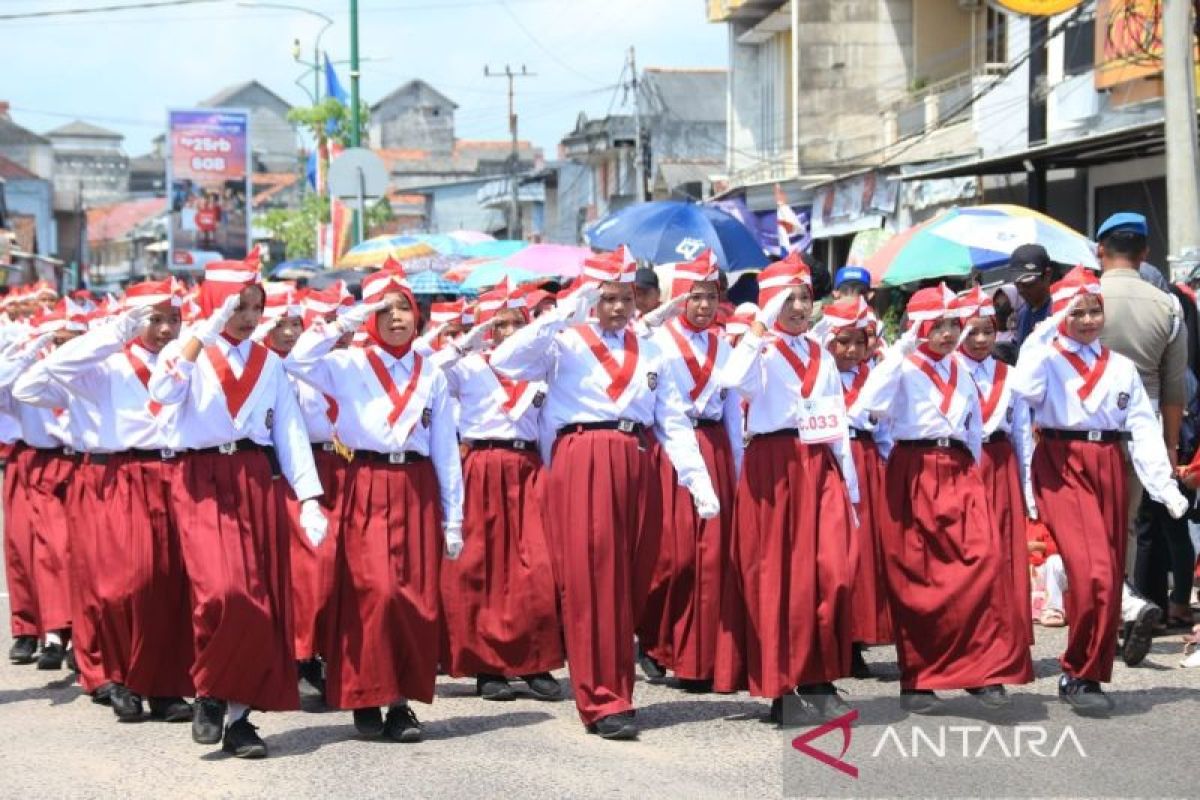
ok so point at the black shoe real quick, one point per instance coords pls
(920, 701)
(615, 726)
(543, 686)
(402, 725)
(817, 702)
(125, 704)
(858, 665)
(102, 695)
(207, 717)
(494, 687)
(170, 709)
(23, 650)
(1084, 696)
(650, 668)
(1139, 635)
(368, 722)
(242, 740)
(696, 685)
(72, 664)
(52, 656)
(776, 713)
(312, 673)
(992, 696)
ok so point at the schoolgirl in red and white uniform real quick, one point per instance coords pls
(849, 335)
(679, 622)
(944, 558)
(403, 501)
(1086, 400)
(602, 500)
(499, 599)
(238, 418)
(792, 557)
(132, 630)
(1007, 436)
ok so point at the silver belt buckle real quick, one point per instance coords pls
(1095, 436)
(68, 451)
(943, 441)
(227, 449)
(625, 425)
(397, 458)
(520, 444)
(854, 433)
(166, 453)
(327, 447)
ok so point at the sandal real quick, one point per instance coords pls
(1052, 618)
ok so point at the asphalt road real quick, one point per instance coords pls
(61, 745)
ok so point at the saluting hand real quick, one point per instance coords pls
(131, 323)
(354, 319)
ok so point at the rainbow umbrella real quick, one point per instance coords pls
(430, 282)
(491, 273)
(562, 260)
(373, 252)
(959, 240)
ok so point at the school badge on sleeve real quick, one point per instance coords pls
(269, 421)
(652, 380)
(426, 417)
(1123, 400)
(539, 399)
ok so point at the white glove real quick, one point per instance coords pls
(312, 520)
(767, 315)
(473, 339)
(38, 345)
(354, 319)
(706, 502)
(207, 330)
(1177, 506)
(666, 312)
(454, 541)
(1045, 331)
(907, 344)
(133, 322)
(575, 309)
(424, 342)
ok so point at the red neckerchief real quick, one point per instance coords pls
(807, 373)
(399, 401)
(237, 390)
(700, 373)
(946, 387)
(143, 375)
(1091, 375)
(988, 404)
(619, 374)
(851, 393)
(512, 389)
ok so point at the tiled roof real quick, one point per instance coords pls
(116, 221)
(11, 170)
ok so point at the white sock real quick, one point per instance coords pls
(235, 711)
(53, 637)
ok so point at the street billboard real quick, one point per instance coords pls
(208, 176)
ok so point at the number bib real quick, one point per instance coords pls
(822, 419)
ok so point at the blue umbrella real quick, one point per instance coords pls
(430, 282)
(298, 267)
(499, 248)
(668, 231)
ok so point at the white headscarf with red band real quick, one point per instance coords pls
(701, 269)
(1079, 281)
(850, 312)
(332, 299)
(928, 306)
(282, 300)
(389, 279)
(149, 293)
(618, 266)
(783, 276)
(66, 315)
(225, 278)
(501, 297)
(974, 303)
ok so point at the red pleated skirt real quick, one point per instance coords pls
(47, 478)
(86, 576)
(872, 616)
(312, 567)
(498, 598)
(786, 606)
(603, 514)
(944, 561)
(143, 622)
(235, 550)
(18, 544)
(679, 621)
(1081, 496)
(1002, 480)
(383, 613)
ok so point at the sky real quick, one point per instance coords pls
(123, 70)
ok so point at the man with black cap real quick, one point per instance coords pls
(1033, 274)
(1146, 325)
(646, 295)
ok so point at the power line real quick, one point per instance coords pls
(538, 43)
(70, 12)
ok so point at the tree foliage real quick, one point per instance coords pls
(296, 228)
(329, 120)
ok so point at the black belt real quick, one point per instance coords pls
(859, 433)
(65, 450)
(1086, 436)
(139, 454)
(405, 457)
(791, 433)
(522, 445)
(945, 443)
(622, 425)
(242, 445)
(701, 422)
(995, 436)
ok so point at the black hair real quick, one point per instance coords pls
(1125, 243)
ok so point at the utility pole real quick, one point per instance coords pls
(1035, 176)
(1179, 109)
(514, 203)
(355, 114)
(639, 156)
